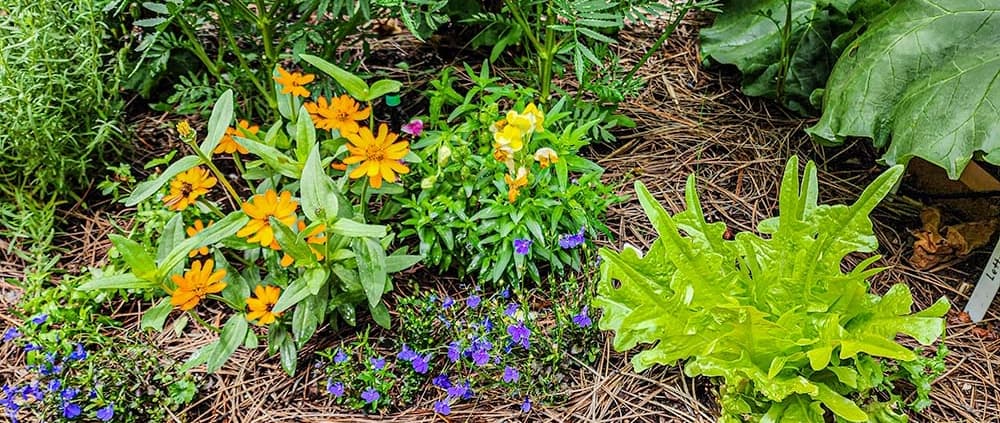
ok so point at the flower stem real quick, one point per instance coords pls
(202, 322)
(234, 196)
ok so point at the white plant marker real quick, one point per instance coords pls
(986, 288)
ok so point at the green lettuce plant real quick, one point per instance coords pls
(790, 334)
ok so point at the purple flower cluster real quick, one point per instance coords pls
(420, 363)
(582, 319)
(522, 246)
(50, 382)
(573, 240)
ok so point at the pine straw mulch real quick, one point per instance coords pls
(690, 120)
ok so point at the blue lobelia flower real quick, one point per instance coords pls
(480, 357)
(454, 351)
(11, 334)
(447, 302)
(106, 413)
(511, 310)
(340, 357)
(421, 363)
(520, 334)
(78, 353)
(39, 319)
(71, 411)
(336, 388)
(522, 246)
(573, 240)
(33, 391)
(442, 407)
(377, 363)
(582, 319)
(54, 385)
(473, 301)
(370, 395)
(505, 293)
(510, 375)
(526, 405)
(442, 381)
(29, 347)
(69, 393)
(406, 354)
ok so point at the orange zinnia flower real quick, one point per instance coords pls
(293, 83)
(229, 144)
(196, 284)
(260, 307)
(379, 156)
(187, 187)
(260, 209)
(192, 231)
(342, 114)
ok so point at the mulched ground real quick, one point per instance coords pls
(690, 120)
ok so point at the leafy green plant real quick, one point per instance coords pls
(286, 272)
(921, 82)
(502, 184)
(59, 104)
(788, 332)
(250, 39)
(786, 48)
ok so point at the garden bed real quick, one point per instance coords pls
(689, 120)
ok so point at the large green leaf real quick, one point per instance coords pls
(921, 81)
(748, 34)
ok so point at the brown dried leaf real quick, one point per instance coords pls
(932, 248)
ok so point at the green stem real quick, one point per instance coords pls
(227, 31)
(546, 58)
(528, 30)
(786, 42)
(234, 196)
(196, 47)
(364, 201)
(202, 322)
(242, 170)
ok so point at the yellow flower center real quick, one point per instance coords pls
(374, 152)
